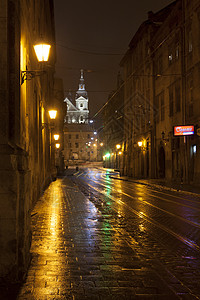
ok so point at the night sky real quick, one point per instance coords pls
(94, 36)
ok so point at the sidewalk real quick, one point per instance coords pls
(79, 251)
(159, 183)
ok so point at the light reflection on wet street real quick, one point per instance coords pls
(114, 239)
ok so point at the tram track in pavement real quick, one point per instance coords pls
(149, 219)
(92, 193)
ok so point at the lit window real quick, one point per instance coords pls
(194, 149)
(177, 52)
(190, 41)
(170, 58)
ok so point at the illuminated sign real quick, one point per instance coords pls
(183, 130)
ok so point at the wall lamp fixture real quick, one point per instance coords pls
(42, 51)
(52, 114)
(56, 137)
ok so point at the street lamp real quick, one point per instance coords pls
(57, 145)
(42, 51)
(56, 137)
(118, 146)
(52, 114)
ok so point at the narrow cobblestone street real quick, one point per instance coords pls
(77, 254)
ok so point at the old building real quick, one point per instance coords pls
(113, 121)
(26, 95)
(161, 92)
(80, 139)
(139, 109)
(80, 144)
(78, 114)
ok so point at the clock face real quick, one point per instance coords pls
(81, 87)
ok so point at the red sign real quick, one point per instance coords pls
(183, 130)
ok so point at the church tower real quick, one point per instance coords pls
(81, 99)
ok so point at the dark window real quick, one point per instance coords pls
(76, 145)
(171, 101)
(76, 136)
(70, 136)
(190, 41)
(177, 51)
(190, 99)
(159, 65)
(157, 108)
(177, 96)
(162, 104)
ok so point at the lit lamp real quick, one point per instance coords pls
(42, 51)
(140, 144)
(56, 137)
(118, 146)
(52, 114)
(57, 145)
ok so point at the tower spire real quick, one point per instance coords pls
(81, 73)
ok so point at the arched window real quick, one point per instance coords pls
(81, 119)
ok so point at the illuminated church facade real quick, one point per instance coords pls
(80, 143)
(78, 113)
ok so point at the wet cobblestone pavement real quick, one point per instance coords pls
(81, 252)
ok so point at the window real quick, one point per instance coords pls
(88, 136)
(157, 108)
(190, 41)
(177, 52)
(76, 145)
(177, 96)
(159, 65)
(170, 57)
(77, 136)
(194, 149)
(70, 136)
(162, 105)
(170, 54)
(190, 101)
(171, 101)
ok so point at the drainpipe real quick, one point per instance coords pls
(183, 72)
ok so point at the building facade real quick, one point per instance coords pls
(78, 113)
(25, 152)
(161, 91)
(113, 127)
(80, 144)
(80, 138)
